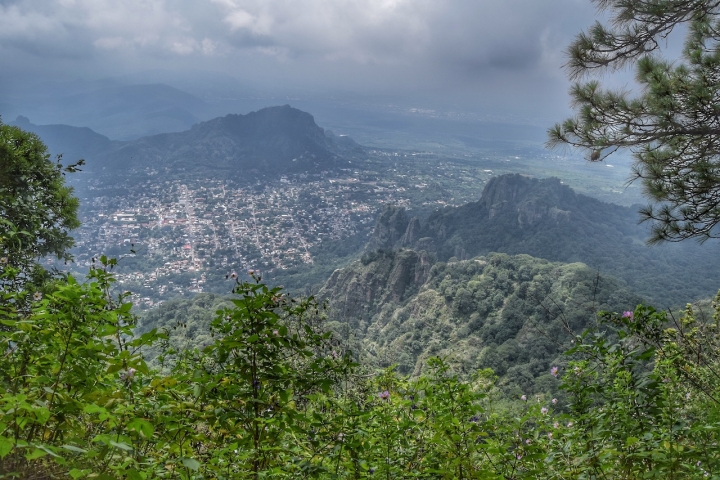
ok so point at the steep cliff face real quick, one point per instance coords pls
(547, 219)
(390, 229)
(380, 278)
(410, 237)
(529, 200)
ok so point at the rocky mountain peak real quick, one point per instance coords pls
(532, 200)
(266, 123)
(390, 228)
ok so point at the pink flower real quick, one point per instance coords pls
(554, 371)
(554, 401)
(629, 315)
(523, 398)
(550, 435)
(544, 410)
(128, 375)
(384, 395)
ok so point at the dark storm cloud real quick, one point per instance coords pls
(413, 45)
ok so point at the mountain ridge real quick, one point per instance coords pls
(71, 142)
(515, 314)
(544, 218)
(269, 142)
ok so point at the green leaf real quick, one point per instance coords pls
(6, 445)
(142, 426)
(36, 453)
(191, 463)
(73, 448)
(197, 390)
(105, 476)
(75, 473)
(121, 446)
(133, 474)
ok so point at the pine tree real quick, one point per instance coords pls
(672, 126)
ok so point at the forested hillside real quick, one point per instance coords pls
(546, 219)
(514, 314)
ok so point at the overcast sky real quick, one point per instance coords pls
(499, 52)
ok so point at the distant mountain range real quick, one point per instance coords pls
(123, 112)
(546, 219)
(271, 141)
(72, 142)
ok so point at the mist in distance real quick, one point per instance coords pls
(143, 67)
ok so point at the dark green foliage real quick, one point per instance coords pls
(274, 396)
(186, 322)
(66, 355)
(37, 209)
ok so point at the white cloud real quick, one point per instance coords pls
(239, 18)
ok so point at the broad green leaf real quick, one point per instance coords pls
(73, 448)
(121, 446)
(191, 463)
(35, 453)
(133, 474)
(142, 426)
(6, 445)
(75, 473)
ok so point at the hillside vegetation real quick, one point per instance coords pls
(546, 219)
(514, 314)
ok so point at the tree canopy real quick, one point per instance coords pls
(37, 208)
(672, 126)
